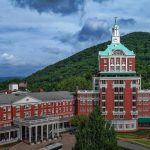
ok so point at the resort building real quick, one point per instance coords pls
(35, 117)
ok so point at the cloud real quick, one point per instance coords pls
(126, 22)
(7, 57)
(64, 7)
(94, 29)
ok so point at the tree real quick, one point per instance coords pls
(96, 133)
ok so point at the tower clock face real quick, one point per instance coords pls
(115, 40)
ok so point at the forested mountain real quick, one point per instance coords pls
(78, 69)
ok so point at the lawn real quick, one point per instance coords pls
(143, 141)
(139, 137)
(127, 136)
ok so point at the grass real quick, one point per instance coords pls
(127, 136)
(143, 141)
(136, 137)
(142, 132)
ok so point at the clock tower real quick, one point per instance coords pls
(115, 33)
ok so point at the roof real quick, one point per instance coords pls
(119, 73)
(43, 96)
(8, 128)
(112, 47)
(144, 120)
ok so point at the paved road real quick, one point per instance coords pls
(132, 146)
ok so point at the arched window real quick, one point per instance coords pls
(118, 52)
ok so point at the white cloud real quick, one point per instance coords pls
(7, 58)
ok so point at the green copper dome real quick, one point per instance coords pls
(113, 47)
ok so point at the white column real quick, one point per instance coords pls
(9, 135)
(30, 134)
(126, 65)
(47, 132)
(20, 131)
(115, 63)
(42, 132)
(36, 133)
(120, 64)
(109, 64)
(57, 129)
(52, 130)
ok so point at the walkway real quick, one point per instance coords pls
(132, 146)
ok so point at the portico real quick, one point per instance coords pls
(8, 135)
(40, 129)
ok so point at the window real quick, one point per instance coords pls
(132, 125)
(103, 104)
(123, 68)
(117, 68)
(133, 103)
(118, 89)
(134, 96)
(103, 81)
(118, 103)
(103, 109)
(105, 68)
(118, 82)
(9, 116)
(130, 60)
(134, 89)
(130, 68)
(105, 60)
(103, 89)
(120, 126)
(119, 96)
(112, 61)
(4, 109)
(103, 97)
(112, 68)
(133, 81)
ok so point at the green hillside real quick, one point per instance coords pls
(78, 69)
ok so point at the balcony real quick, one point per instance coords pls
(104, 113)
(118, 112)
(134, 112)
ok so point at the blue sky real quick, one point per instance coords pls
(36, 33)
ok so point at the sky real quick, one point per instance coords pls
(37, 33)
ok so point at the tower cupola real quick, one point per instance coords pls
(115, 33)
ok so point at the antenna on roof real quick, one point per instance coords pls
(115, 19)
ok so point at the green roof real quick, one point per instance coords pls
(144, 120)
(112, 47)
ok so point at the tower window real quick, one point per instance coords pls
(117, 68)
(130, 68)
(112, 68)
(123, 68)
(105, 68)
(103, 81)
(103, 89)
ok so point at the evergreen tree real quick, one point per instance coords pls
(96, 133)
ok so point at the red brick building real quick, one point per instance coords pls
(116, 89)
(116, 85)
